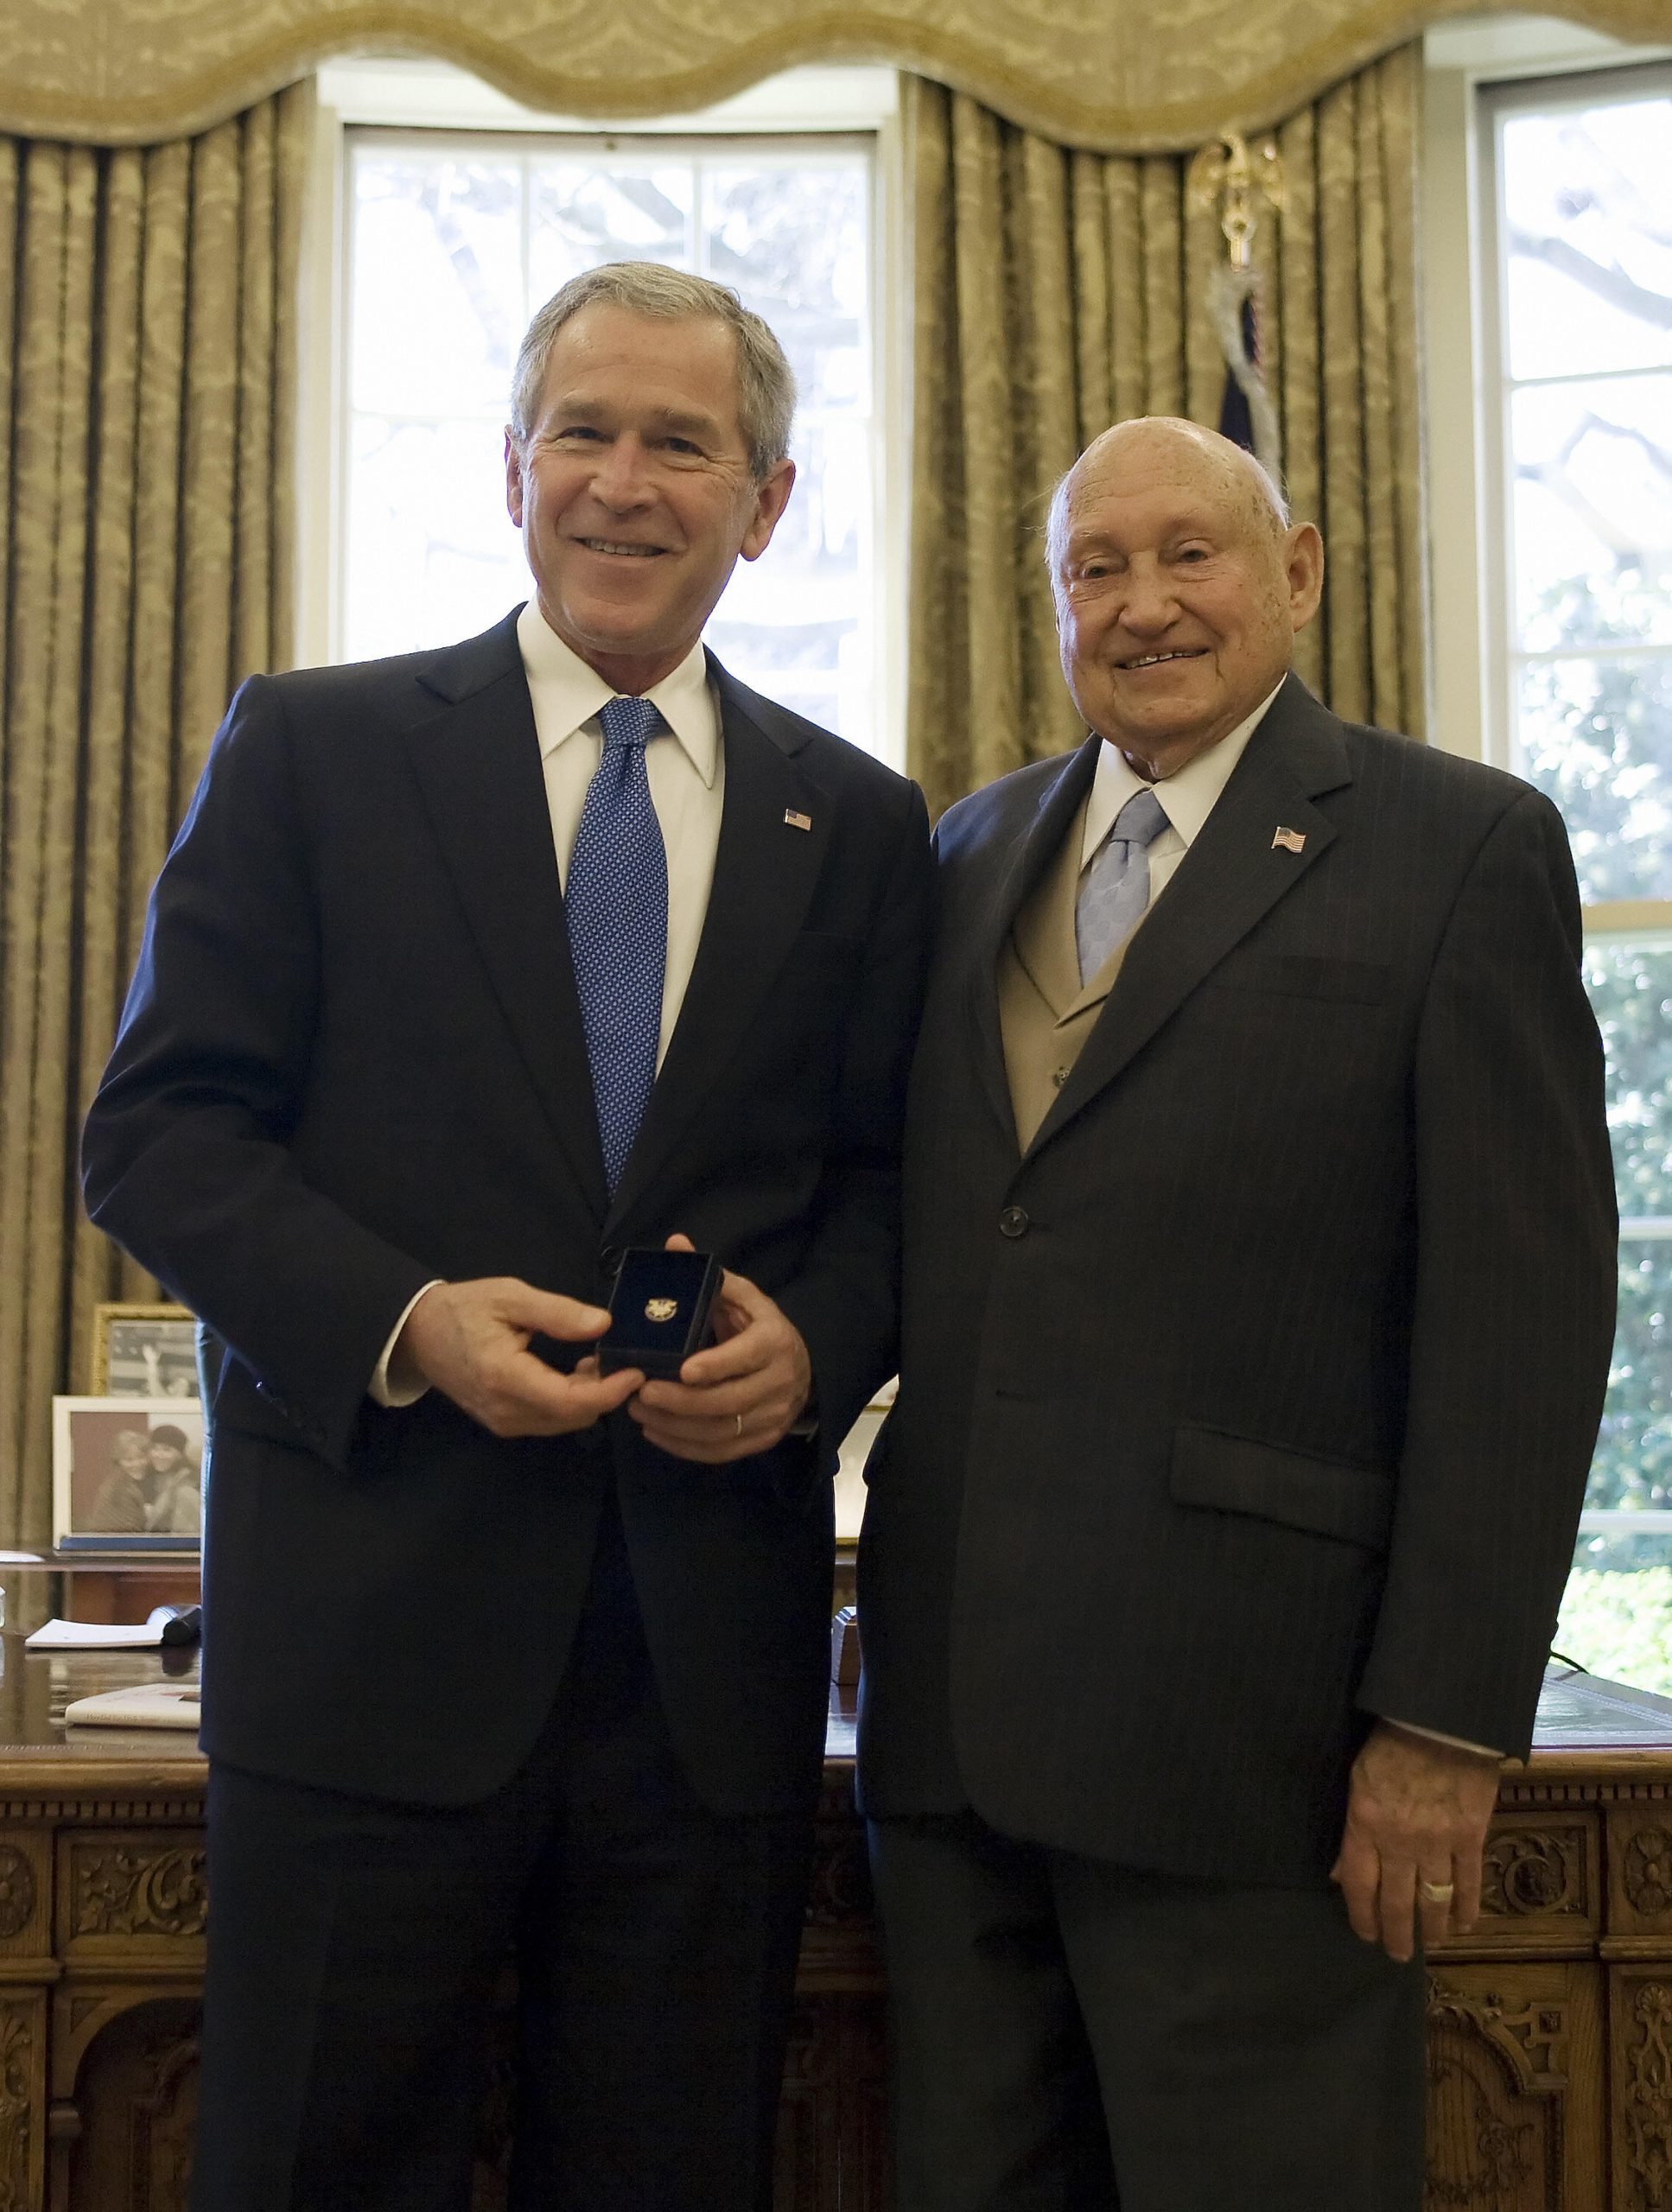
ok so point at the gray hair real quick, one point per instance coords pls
(765, 382)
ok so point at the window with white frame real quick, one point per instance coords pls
(1579, 400)
(452, 239)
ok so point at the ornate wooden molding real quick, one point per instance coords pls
(117, 1890)
(1535, 1873)
(1646, 1870)
(16, 1890)
(1531, 2041)
(122, 72)
(16, 2105)
(1648, 2096)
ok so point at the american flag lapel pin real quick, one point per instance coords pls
(1292, 840)
(797, 820)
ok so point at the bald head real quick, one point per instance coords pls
(1179, 584)
(1171, 442)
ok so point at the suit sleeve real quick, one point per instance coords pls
(1514, 1298)
(846, 1301)
(186, 1156)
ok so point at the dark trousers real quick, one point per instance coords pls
(356, 1948)
(1068, 2035)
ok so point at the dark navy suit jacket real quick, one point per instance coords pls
(351, 1061)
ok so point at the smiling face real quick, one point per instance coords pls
(632, 489)
(130, 1454)
(164, 1455)
(1178, 590)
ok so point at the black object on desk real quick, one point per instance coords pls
(185, 1627)
(660, 1307)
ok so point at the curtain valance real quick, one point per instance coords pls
(1110, 76)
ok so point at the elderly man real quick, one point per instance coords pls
(1258, 1295)
(467, 972)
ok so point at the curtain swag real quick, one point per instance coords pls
(1092, 74)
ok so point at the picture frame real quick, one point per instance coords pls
(144, 1351)
(127, 1474)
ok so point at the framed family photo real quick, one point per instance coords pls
(144, 1351)
(127, 1474)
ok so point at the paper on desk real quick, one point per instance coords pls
(101, 1635)
(20, 1558)
(148, 1704)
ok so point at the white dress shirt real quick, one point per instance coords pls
(686, 773)
(1187, 798)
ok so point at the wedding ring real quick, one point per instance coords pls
(738, 1418)
(1436, 1893)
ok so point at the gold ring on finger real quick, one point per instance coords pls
(738, 1418)
(1436, 1893)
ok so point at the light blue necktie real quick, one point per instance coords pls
(616, 904)
(1114, 889)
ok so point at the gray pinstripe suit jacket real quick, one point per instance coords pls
(1257, 1396)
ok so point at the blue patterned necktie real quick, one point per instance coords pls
(616, 906)
(1114, 889)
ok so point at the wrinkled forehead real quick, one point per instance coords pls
(1172, 482)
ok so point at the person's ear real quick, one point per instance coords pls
(1303, 566)
(771, 496)
(513, 477)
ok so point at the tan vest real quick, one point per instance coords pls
(1046, 1013)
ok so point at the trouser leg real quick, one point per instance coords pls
(1254, 2055)
(993, 2094)
(657, 1956)
(354, 1948)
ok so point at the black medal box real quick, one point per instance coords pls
(660, 1311)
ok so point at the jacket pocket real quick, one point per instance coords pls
(1235, 1474)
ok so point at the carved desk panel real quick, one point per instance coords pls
(1550, 2029)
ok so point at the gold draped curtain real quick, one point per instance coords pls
(147, 394)
(1108, 75)
(1057, 292)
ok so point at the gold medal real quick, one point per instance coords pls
(661, 1309)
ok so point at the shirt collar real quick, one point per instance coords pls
(1187, 798)
(566, 694)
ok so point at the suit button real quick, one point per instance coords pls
(610, 1258)
(1013, 1222)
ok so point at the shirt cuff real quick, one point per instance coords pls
(1438, 1736)
(381, 1389)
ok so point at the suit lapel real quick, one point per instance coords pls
(477, 760)
(765, 869)
(1232, 876)
(1030, 852)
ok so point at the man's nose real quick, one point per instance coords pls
(1148, 604)
(621, 477)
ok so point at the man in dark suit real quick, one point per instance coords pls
(467, 971)
(1257, 1305)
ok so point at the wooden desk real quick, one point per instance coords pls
(1550, 2030)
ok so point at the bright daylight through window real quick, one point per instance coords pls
(1584, 218)
(455, 241)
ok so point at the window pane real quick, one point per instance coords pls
(1630, 990)
(585, 212)
(791, 242)
(431, 556)
(1592, 497)
(1586, 194)
(1633, 1464)
(438, 289)
(1617, 1610)
(1597, 735)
